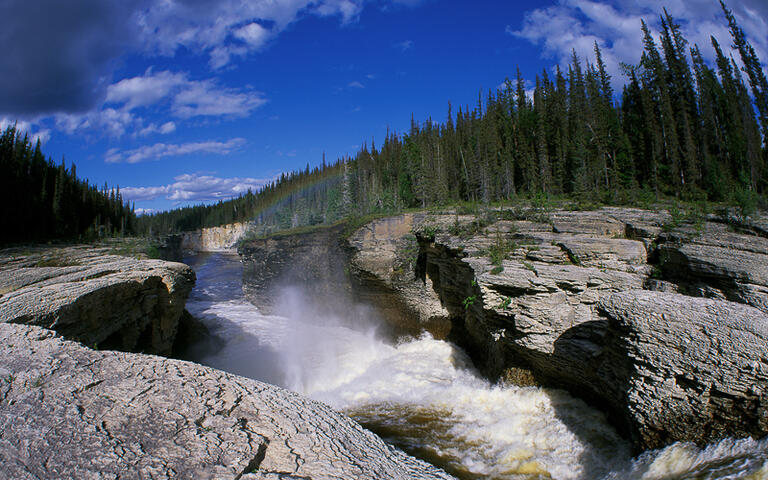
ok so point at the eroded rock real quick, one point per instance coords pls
(699, 367)
(67, 411)
(91, 296)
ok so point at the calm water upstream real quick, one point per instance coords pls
(424, 396)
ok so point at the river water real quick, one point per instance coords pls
(424, 396)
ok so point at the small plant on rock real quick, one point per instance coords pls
(505, 302)
(469, 301)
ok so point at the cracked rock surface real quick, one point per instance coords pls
(610, 305)
(98, 298)
(67, 411)
(698, 367)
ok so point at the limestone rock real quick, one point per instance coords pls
(384, 256)
(96, 298)
(699, 366)
(560, 298)
(214, 239)
(593, 223)
(70, 412)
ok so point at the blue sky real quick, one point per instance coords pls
(186, 101)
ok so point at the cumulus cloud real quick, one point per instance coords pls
(164, 93)
(355, 84)
(60, 55)
(144, 90)
(164, 129)
(253, 34)
(195, 188)
(145, 211)
(188, 98)
(615, 25)
(163, 150)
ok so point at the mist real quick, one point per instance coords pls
(423, 395)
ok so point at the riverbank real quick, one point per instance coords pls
(571, 300)
(84, 409)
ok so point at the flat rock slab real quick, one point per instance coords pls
(90, 295)
(67, 411)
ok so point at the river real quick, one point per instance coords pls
(424, 396)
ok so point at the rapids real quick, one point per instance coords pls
(424, 396)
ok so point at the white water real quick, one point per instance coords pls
(424, 396)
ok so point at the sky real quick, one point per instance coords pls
(182, 102)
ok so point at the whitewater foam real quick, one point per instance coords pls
(424, 395)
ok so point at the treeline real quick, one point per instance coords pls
(305, 197)
(679, 128)
(43, 201)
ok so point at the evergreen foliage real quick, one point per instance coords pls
(679, 128)
(43, 201)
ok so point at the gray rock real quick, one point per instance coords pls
(70, 412)
(576, 291)
(384, 257)
(96, 298)
(699, 367)
(592, 223)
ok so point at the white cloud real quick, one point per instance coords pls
(404, 45)
(164, 129)
(348, 9)
(162, 150)
(164, 93)
(145, 211)
(355, 84)
(82, 98)
(253, 34)
(147, 89)
(207, 99)
(227, 28)
(187, 98)
(195, 188)
(34, 132)
(615, 25)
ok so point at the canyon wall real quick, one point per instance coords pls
(99, 299)
(658, 320)
(214, 239)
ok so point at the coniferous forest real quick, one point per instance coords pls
(680, 128)
(43, 201)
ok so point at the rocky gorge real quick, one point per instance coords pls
(659, 320)
(76, 403)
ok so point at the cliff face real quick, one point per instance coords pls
(609, 305)
(657, 320)
(383, 262)
(214, 239)
(101, 300)
(313, 261)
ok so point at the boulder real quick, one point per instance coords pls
(92, 296)
(67, 411)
